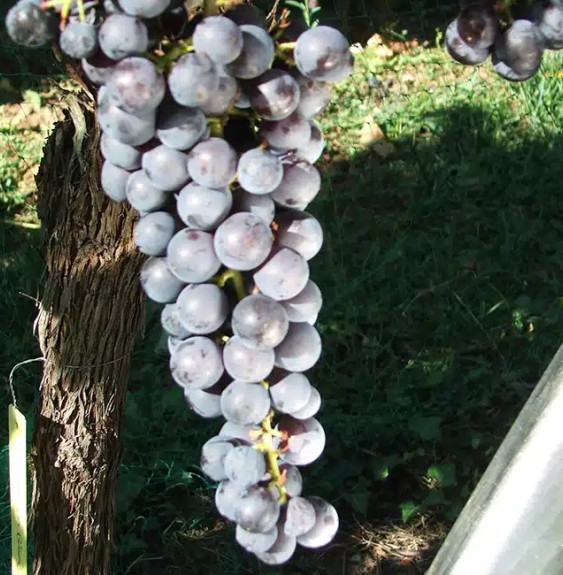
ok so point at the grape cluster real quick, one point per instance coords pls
(516, 46)
(208, 131)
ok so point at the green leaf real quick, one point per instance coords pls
(444, 474)
(358, 496)
(408, 509)
(296, 5)
(428, 427)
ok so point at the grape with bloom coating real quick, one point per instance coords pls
(274, 95)
(281, 551)
(245, 465)
(180, 127)
(256, 55)
(460, 50)
(157, 281)
(300, 185)
(122, 155)
(121, 35)
(257, 510)
(191, 257)
(144, 8)
(290, 133)
(312, 406)
(291, 393)
(219, 38)
(550, 25)
(28, 25)
(301, 348)
(202, 308)
(142, 194)
(170, 322)
(306, 305)
(246, 364)
(306, 440)
(205, 404)
(259, 171)
(79, 40)
(313, 149)
(213, 455)
(283, 276)
(256, 542)
(326, 525)
(301, 232)
(222, 98)
(293, 481)
(227, 497)
(260, 205)
(136, 86)
(166, 168)
(314, 96)
(259, 321)
(193, 79)
(243, 241)
(113, 180)
(212, 163)
(203, 208)
(196, 363)
(153, 232)
(245, 403)
(323, 53)
(300, 516)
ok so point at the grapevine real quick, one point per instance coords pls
(208, 131)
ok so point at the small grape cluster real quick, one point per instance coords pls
(208, 131)
(516, 44)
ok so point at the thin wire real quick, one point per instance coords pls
(68, 366)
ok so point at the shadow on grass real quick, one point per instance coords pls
(440, 274)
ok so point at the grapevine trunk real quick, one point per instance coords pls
(91, 310)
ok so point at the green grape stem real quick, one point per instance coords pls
(238, 282)
(266, 445)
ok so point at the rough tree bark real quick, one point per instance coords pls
(91, 311)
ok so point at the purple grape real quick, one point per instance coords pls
(256, 542)
(259, 171)
(300, 517)
(257, 510)
(301, 348)
(290, 393)
(245, 403)
(136, 86)
(478, 25)
(550, 25)
(196, 363)
(326, 525)
(300, 185)
(323, 53)
(219, 38)
(191, 257)
(311, 408)
(121, 35)
(307, 440)
(193, 79)
(212, 163)
(144, 8)
(283, 276)
(313, 149)
(79, 40)
(260, 322)
(288, 134)
(169, 319)
(281, 551)
(274, 95)
(243, 241)
(460, 50)
(157, 281)
(166, 167)
(180, 127)
(122, 155)
(114, 181)
(257, 53)
(28, 25)
(153, 232)
(517, 53)
(262, 206)
(202, 308)
(314, 96)
(203, 208)
(222, 98)
(246, 364)
(301, 232)
(245, 465)
(306, 305)
(143, 195)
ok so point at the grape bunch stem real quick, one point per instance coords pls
(65, 9)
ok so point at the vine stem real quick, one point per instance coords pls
(238, 282)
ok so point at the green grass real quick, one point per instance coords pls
(443, 306)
